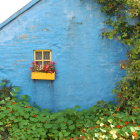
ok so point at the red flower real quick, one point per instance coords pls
(83, 131)
(136, 108)
(13, 103)
(28, 107)
(126, 123)
(34, 62)
(83, 137)
(90, 128)
(77, 138)
(96, 126)
(54, 63)
(118, 126)
(138, 125)
(34, 116)
(135, 134)
(117, 109)
(71, 139)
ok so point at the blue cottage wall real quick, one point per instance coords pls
(87, 66)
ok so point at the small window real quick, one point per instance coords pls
(42, 57)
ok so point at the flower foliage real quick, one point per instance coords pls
(124, 18)
(49, 68)
(103, 121)
(20, 120)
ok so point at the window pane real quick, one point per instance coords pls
(46, 62)
(39, 63)
(46, 55)
(38, 55)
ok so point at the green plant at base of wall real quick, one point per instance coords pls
(104, 121)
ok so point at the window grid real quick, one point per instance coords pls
(42, 60)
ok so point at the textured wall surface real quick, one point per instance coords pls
(87, 66)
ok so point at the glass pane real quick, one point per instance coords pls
(39, 63)
(46, 55)
(38, 55)
(46, 62)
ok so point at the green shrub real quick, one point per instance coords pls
(19, 120)
(123, 16)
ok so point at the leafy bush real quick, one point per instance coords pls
(7, 90)
(20, 120)
(124, 18)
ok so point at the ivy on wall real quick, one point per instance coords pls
(124, 18)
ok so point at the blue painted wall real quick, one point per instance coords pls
(87, 65)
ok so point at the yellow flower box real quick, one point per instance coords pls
(43, 76)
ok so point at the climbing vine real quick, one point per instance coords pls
(124, 18)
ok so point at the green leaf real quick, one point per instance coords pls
(71, 127)
(16, 89)
(3, 84)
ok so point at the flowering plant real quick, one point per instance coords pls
(48, 68)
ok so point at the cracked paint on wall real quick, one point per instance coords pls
(87, 66)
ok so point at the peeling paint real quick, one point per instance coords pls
(45, 29)
(22, 60)
(24, 36)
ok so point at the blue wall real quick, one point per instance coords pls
(87, 66)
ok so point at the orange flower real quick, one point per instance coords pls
(138, 125)
(71, 139)
(114, 115)
(13, 103)
(135, 134)
(96, 126)
(133, 122)
(119, 95)
(117, 109)
(12, 111)
(83, 137)
(28, 107)
(7, 108)
(83, 131)
(34, 116)
(126, 123)
(106, 126)
(136, 107)
(90, 128)
(118, 126)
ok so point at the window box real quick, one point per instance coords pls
(43, 76)
(43, 68)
